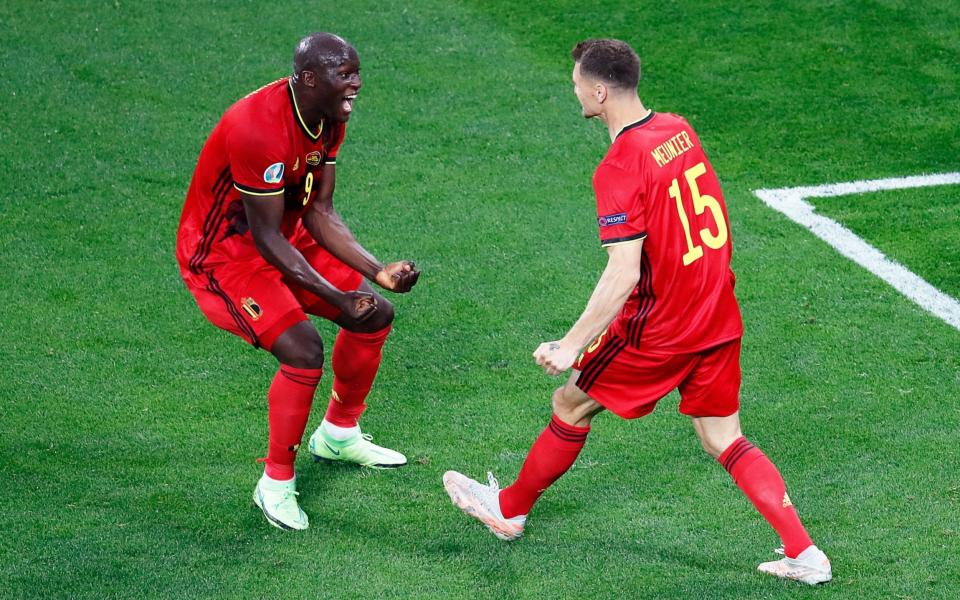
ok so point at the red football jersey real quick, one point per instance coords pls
(261, 146)
(656, 183)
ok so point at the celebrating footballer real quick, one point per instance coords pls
(663, 316)
(260, 246)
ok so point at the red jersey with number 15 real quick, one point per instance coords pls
(261, 146)
(656, 184)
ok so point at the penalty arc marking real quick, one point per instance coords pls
(792, 203)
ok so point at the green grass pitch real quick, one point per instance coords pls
(918, 226)
(130, 425)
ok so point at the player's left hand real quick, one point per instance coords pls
(555, 357)
(398, 276)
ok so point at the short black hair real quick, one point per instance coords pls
(612, 61)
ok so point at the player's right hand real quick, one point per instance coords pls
(555, 357)
(398, 276)
(358, 305)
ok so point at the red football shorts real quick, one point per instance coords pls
(252, 299)
(629, 383)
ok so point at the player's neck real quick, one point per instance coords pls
(622, 112)
(311, 117)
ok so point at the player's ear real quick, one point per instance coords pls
(600, 92)
(309, 78)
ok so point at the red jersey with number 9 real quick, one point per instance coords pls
(261, 147)
(656, 184)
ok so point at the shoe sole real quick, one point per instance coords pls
(814, 577)
(270, 518)
(466, 503)
(317, 458)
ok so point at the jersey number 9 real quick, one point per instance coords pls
(701, 202)
(307, 187)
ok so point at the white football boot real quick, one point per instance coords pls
(278, 501)
(482, 502)
(811, 567)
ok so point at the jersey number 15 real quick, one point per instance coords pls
(701, 202)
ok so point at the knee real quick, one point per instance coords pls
(384, 314)
(717, 433)
(304, 352)
(310, 354)
(711, 448)
(381, 318)
(571, 408)
(557, 402)
(715, 443)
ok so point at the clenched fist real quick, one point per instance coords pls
(398, 276)
(555, 357)
(358, 305)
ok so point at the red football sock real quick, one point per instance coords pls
(759, 479)
(550, 457)
(290, 397)
(356, 359)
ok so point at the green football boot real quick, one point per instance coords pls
(358, 449)
(278, 501)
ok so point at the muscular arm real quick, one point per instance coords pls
(617, 281)
(264, 215)
(325, 225)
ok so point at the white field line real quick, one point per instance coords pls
(792, 202)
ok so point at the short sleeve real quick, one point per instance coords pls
(620, 213)
(256, 162)
(339, 133)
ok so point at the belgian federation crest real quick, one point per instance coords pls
(251, 307)
(313, 158)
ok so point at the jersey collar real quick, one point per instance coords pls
(300, 121)
(636, 124)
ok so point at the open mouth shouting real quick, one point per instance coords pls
(347, 104)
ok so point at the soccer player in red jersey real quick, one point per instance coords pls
(663, 315)
(260, 246)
